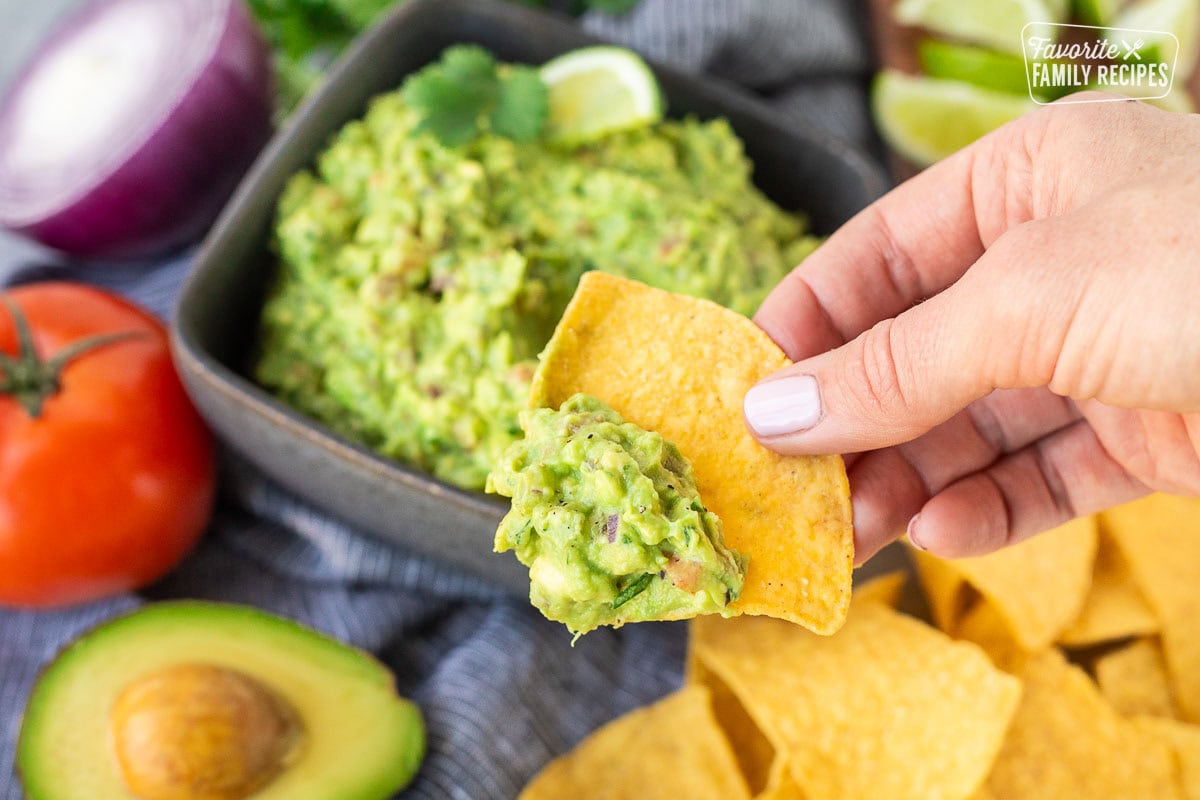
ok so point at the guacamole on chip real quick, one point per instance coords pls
(608, 519)
(680, 366)
(417, 282)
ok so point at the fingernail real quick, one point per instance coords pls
(786, 405)
(911, 533)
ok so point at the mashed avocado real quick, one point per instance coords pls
(609, 521)
(417, 282)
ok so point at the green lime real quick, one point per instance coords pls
(993, 23)
(1097, 12)
(1159, 20)
(926, 119)
(990, 69)
(598, 90)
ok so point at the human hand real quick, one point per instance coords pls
(1007, 341)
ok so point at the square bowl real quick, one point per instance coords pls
(216, 320)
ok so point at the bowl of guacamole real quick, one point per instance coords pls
(364, 320)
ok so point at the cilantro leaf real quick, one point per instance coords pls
(615, 7)
(466, 87)
(451, 116)
(452, 94)
(522, 105)
(468, 65)
(360, 13)
(307, 35)
(296, 28)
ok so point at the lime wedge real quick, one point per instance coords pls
(1097, 12)
(993, 23)
(990, 69)
(926, 119)
(1180, 18)
(599, 90)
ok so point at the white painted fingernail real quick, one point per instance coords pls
(786, 405)
(911, 532)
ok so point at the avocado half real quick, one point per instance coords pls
(358, 740)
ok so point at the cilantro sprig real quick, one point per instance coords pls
(307, 35)
(467, 92)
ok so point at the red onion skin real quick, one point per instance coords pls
(172, 185)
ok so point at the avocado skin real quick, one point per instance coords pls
(38, 762)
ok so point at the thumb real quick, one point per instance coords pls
(895, 381)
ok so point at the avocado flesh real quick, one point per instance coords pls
(361, 740)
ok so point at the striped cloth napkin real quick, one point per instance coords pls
(501, 688)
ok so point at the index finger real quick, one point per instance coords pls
(907, 246)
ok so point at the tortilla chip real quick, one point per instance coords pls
(681, 366)
(666, 751)
(887, 708)
(1182, 739)
(886, 589)
(948, 595)
(1114, 608)
(1037, 586)
(1134, 680)
(984, 626)
(1067, 743)
(755, 754)
(1159, 536)
(781, 786)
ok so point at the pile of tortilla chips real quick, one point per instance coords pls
(1064, 667)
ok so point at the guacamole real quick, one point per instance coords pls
(418, 282)
(609, 521)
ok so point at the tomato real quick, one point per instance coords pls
(106, 470)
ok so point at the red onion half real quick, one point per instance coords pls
(131, 125)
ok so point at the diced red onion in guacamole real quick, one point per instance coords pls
(129, 128)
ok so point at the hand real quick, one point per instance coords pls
(1007, 341)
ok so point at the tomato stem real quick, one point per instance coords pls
(30, 380)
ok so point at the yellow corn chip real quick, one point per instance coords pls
(948, 595)
(984, 626)
(681, 366)
(1037, 587)
(781, 786)
(1134, 680)
(1114, 608)
(1159, 536)
(670, 750)
(1067, 743)
(754, 752)
(693, 670)
(1182, 739)
(887, 708)
(885, 589)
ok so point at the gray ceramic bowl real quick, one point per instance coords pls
(216, 319)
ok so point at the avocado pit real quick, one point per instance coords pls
(201, 732)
